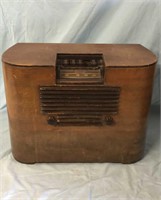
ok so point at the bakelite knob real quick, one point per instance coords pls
(52, 121)
(109, 120)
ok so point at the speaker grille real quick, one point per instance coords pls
(79, 104)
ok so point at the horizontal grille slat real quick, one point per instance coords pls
(81, 116)
(78, 112)
(78, 109)
(84, 122)
(75, 93)
(84, 104)
(78, 88)
(79, 104)
(110, 97)
(82, 101)
(80, 123)
(59, 92)
(79, 120)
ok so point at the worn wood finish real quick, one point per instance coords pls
(30, 75)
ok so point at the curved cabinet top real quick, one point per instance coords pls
(44, 54)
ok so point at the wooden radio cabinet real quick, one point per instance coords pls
(78, 102)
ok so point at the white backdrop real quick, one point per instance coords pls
(81, 21)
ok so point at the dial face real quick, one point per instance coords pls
(83, 74)
(78, 68)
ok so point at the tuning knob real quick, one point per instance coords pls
(109, 120)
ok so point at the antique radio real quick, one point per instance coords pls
(78, 102)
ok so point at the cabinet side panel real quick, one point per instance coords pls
(21, 85)
(136, 90)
